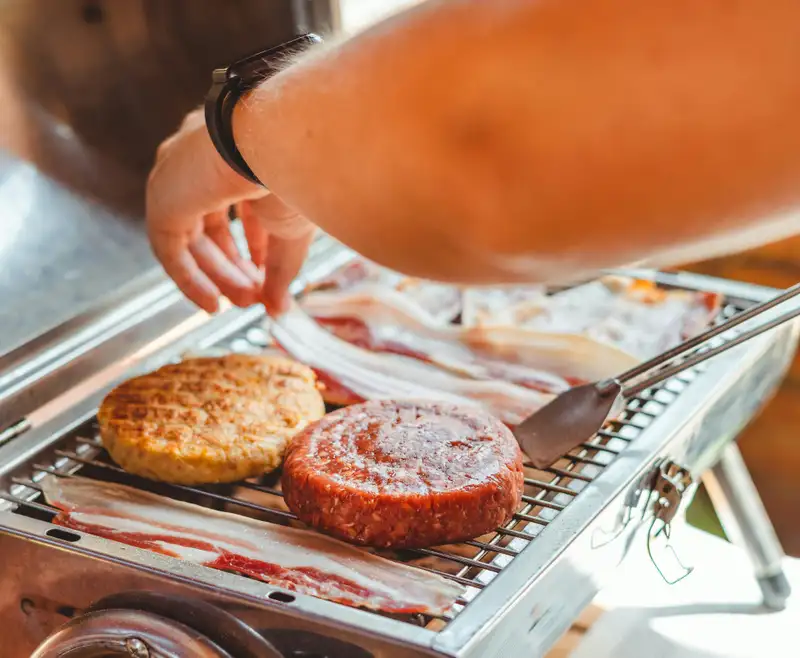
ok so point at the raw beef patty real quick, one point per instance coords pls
(404, 474)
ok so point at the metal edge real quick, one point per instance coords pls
(26, 360)
(733, 290)
(62, 414)
(554, 541)
(334, 616)
(55, 336)
(138, 301)
(47, 368)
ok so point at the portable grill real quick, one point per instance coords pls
(66, 593)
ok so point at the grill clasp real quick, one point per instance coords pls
(669, 485)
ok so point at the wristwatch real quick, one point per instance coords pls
(228, 86)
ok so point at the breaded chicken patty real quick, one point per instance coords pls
(204, 420)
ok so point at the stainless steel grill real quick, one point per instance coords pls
(525, 583)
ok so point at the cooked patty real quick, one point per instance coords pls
(404, 474)
(204, 420)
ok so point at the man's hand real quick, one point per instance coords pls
(189, 193)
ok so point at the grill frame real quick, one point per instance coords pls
(560, 573)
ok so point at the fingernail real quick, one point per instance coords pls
(209, 306)
(240, 278)
(250, 269)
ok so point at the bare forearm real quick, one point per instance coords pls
(513, 139)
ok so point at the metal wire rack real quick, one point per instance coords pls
(472, 563)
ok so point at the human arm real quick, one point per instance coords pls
(518, 140)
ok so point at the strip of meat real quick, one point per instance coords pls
(381, 320)
(378, 376)
(290, 558)
(521, 335)
(632, 315)
(571, 356)
(500, 304)
(440, 302)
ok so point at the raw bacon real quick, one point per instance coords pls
(635, 316)
(441, 302)
(381, 320)
(573, 356)
(374, 376)
(520, 335)
(289, 558)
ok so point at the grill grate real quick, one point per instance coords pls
(472, 563)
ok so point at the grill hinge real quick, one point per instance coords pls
(14, 430)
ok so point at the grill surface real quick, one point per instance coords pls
(524, 583)
(473, 563)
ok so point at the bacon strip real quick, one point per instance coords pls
(440, 302)
(293, 559)
(637, 317)
(519, 335)
(375, 376)
(578, 358)
(381, 320)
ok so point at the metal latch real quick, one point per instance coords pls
(669, 484)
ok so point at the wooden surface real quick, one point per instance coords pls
(771, 444)
(573, 637)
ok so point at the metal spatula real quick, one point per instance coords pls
(573, 417)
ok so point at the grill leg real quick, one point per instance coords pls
(746, 523)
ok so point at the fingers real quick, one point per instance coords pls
(207, 265)
(218, 228)
(290, 236)
(284, 260)
(188, 184)
(173, 253)
(237, 286)
(188, 192)
(255, 232)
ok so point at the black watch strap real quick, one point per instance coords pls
(230, 84)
